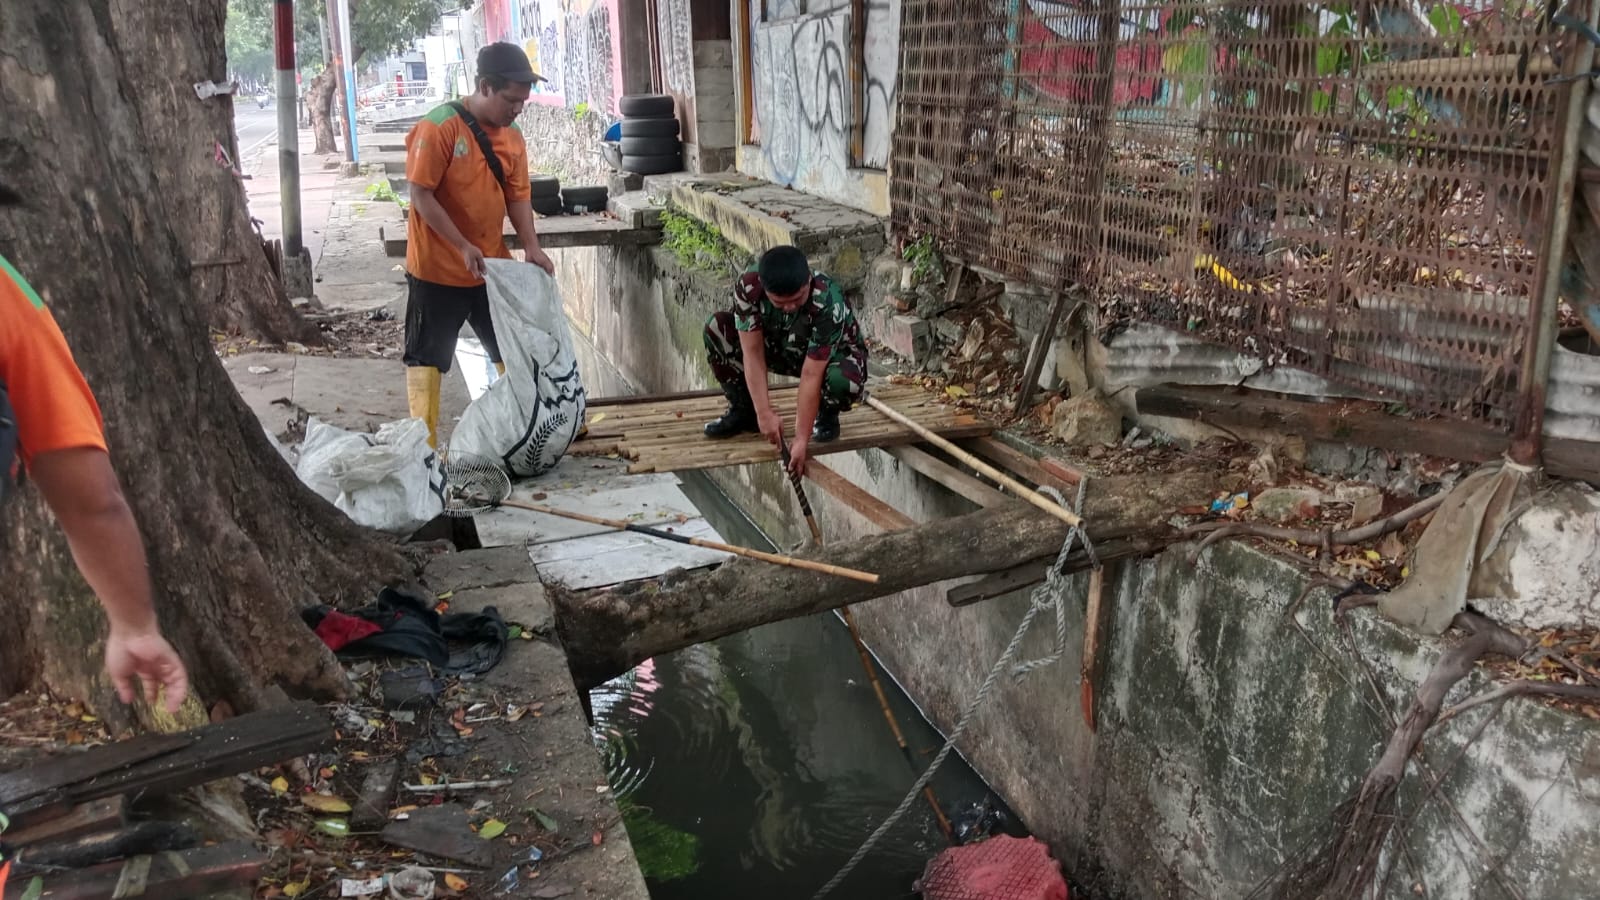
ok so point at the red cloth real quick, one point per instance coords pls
(338, 629)
(1001, 868)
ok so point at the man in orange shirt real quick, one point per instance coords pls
(51, 424)
(468, 169)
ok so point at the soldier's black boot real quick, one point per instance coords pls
(827, 425)
(739, 419)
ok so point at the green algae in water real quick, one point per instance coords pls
(664, 852)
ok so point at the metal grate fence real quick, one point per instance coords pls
(1356, 189)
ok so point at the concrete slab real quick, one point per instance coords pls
(530, 728)
(650, 503)
(555, 233)
(606, 559)
(356, 394)
(757, 215)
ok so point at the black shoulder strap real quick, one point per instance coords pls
(8, 442)
(483, 141)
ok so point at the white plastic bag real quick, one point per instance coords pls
(389, 481)
(526, 420)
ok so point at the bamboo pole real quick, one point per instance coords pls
(774, 558)
(1011, 484)
(1091, 642)
(861, 646)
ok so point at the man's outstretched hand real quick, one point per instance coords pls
(771, 424)
(798, 453)
(542, 260)
(148, 657)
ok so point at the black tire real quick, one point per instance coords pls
(548, 206)
(666, 127)
(589, 199)
(646, 105)
(653, 165)
(651, 146)
(544, 186)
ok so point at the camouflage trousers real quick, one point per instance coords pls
(842, 385)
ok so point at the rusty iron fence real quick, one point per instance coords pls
(1356, 189)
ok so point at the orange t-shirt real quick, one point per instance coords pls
(52, 404)
(442, 154)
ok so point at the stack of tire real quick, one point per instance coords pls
(650, 144)
(578, 200)
(546, 194)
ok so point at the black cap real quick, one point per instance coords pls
(506, 61)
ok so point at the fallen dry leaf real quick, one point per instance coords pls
(455, 882)
(325, 803)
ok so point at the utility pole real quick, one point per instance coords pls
(288, 125)
(296, 261)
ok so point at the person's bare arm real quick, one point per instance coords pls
(428, 206)
(754, 347)
(521, 213)
(807, 403)
(82, 490)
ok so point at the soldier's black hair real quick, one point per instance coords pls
(784, 270)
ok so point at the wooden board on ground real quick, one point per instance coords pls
(201, 872)
(667, 436)
(178, 761)
(555, 233)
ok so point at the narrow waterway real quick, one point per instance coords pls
(754, 766)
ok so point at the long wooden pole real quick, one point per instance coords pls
(861, 646)
(1006, 481)
(774, 558)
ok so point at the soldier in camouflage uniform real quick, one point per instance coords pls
(789, 320)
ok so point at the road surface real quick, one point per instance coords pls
(255, 126)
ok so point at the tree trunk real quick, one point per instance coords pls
(319, 105)
(236, 544)
(608, 632)
(166, 48)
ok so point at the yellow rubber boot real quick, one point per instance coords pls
(422, 396)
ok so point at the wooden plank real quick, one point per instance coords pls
(1008, 457)
(85, 818)
(201, 872)
(555, 233)
(139, 839)
(1361, 423)
(1118, 544)
(695, 458)
(22, 784)
(951, 477)
(214, 751)
(1041, 349)
(642, 399)
(847, 492)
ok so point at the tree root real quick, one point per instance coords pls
(1521, 688)
(1327, 538)
(1348, 863)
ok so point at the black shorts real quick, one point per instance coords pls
(434, 316)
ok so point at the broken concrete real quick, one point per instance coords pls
(1285, 505)
(1087, 421)
(1546, 572)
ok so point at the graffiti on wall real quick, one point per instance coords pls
(497, 20)
(574, 45)
(883, 63)
(1057, 60)
(803, 74)
(676, 39)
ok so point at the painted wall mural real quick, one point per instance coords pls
(574, 44)
(805, 103)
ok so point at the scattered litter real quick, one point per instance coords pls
(1230, 505)
(356, 887)
(412, 883)
(459, 786)
(260, 370)
(1003, 866)
(509, 882)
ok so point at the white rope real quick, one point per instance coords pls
(1051, 593)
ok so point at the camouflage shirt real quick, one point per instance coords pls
(822, 328)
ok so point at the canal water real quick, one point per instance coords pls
(755, 765)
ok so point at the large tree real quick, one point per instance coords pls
(112, 149)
